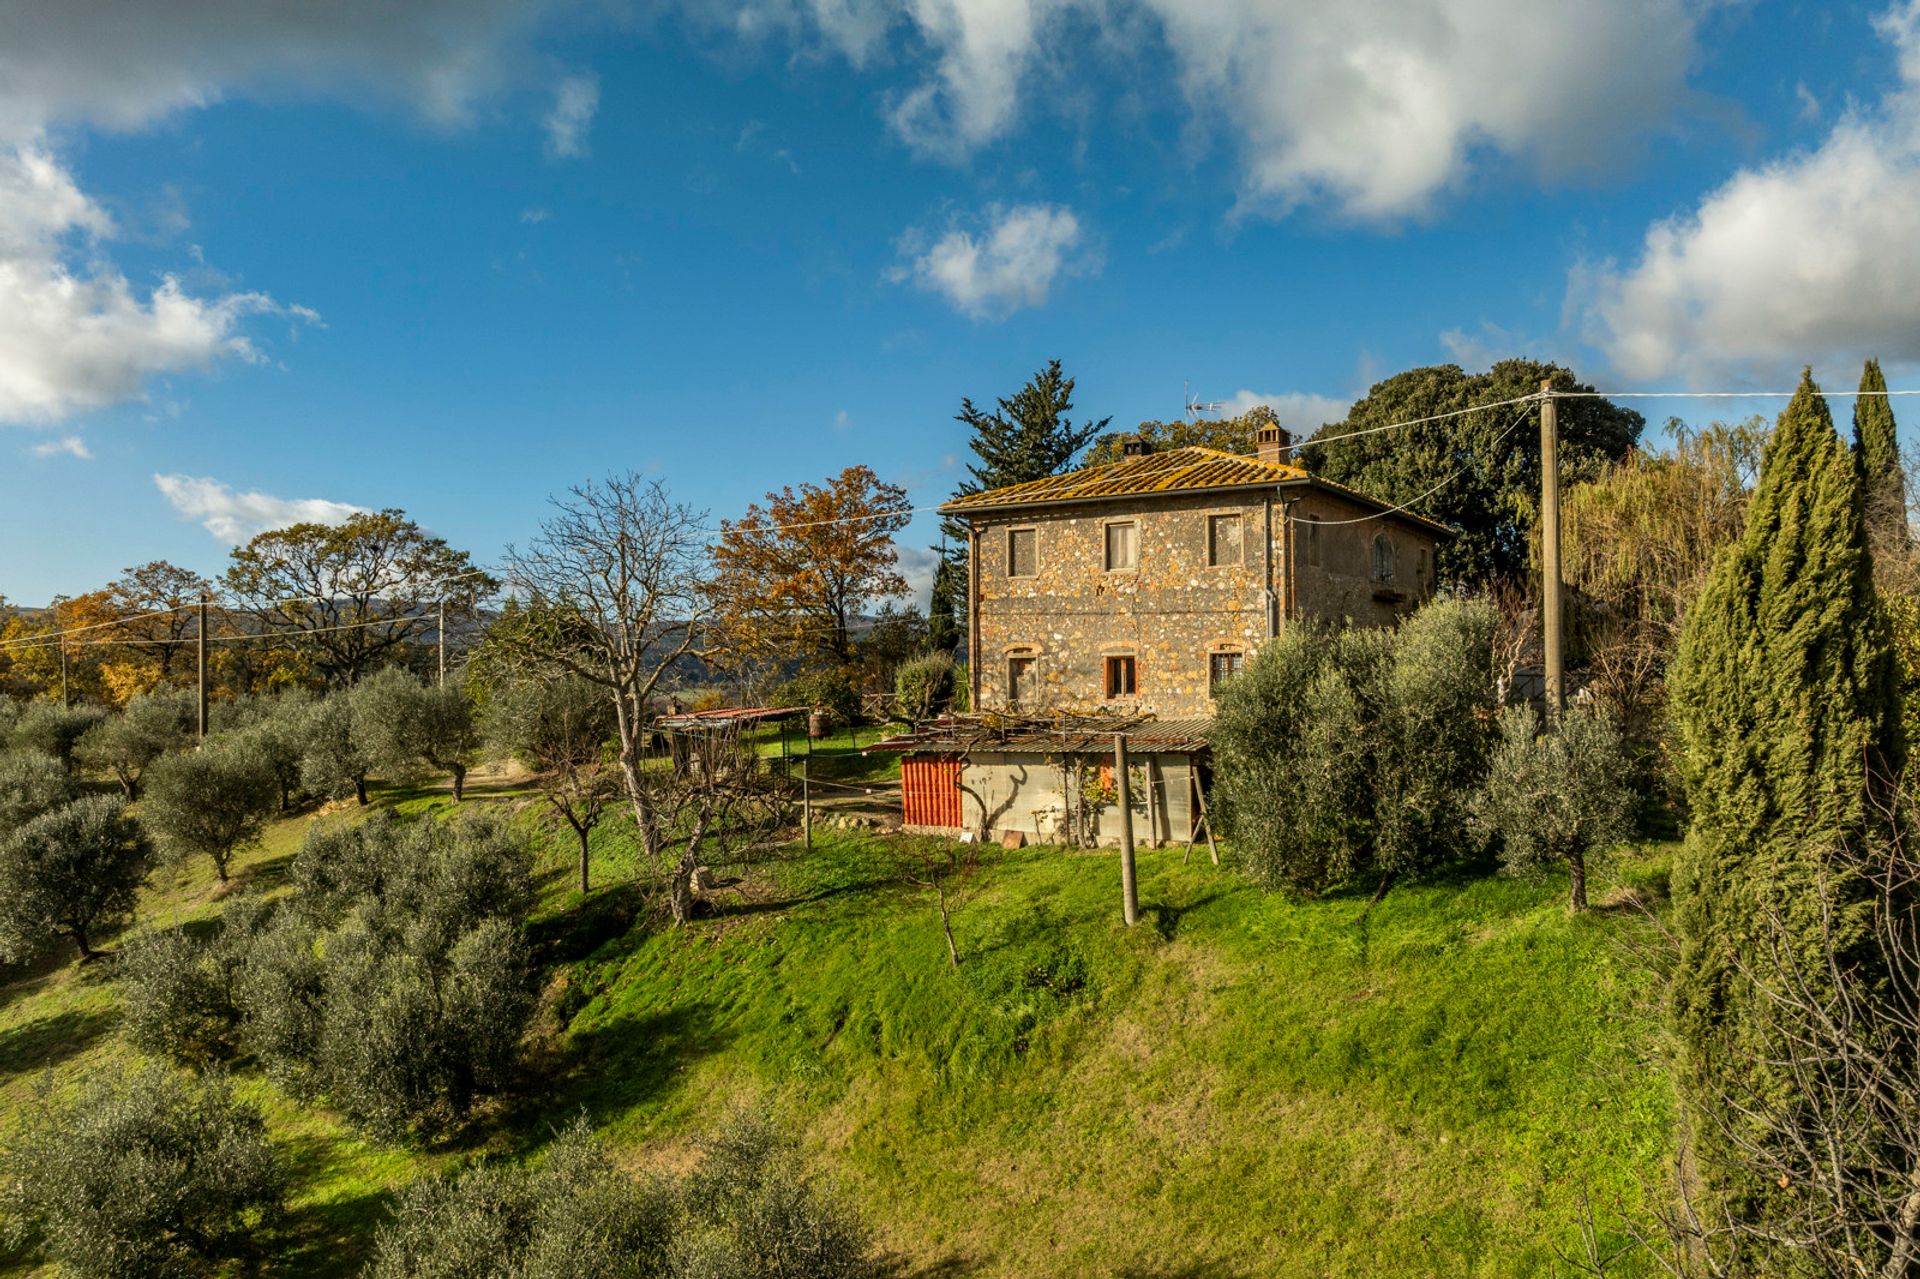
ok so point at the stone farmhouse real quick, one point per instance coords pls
(1127, 594)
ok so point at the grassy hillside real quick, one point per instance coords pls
(1241, 1085)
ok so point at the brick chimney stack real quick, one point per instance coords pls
(1136, 446)
(1273, 443)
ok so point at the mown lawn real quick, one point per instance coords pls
(1239, 1086)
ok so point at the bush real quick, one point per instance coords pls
(126, 744)
(69, 872)
(1350, 752)
(1557, 796)
(146, 1175)
(923, 687)
(830, 691)
(213, 801)
(30, 784)
(55, 730)
(182, 993)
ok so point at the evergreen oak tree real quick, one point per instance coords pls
(1787, 717)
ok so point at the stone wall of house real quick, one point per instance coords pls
(1032, 793)
(1176, 609)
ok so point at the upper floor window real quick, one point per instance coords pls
(1382, 558)
(1123, 547)
(1223, 540)
(1121, 677)
(1023, 552)
(1020, 682)
(1313, 540)
(1222, 667)
(1420, 570)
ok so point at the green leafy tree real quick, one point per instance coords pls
(30, 784)
(1026, 436)
(1876, 449)
(354, 596)
(1494, 498)
(560, 728)
(211, 802)
(181, 992)
(1785, 704)
(147, 1174)
(405, 726)
(55, 730)
(273, 728)
(1238, 434)
(333, 762)
(126, 744)
(1353, 752)
(68, 873)
(1557, 796)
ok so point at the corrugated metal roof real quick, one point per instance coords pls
(1183, 470)
(960, 735)
(1174, 471)
(726, 715)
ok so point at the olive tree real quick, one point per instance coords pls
(214, 802)
(126, 744)
(68, 873)
(404, 726)
(1556, 796)
(274, 728)
(560, 728)
(30, 784)
(147, 1174)
(55, 730)
(333, 763)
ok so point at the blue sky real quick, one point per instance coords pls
(261, 261)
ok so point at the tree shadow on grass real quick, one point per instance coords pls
(1179, 1270)
(332, 1237)
(952, 1266)
(50, 1041)
(582, 928)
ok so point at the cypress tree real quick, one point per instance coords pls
(1876, 449)
(1784, 697)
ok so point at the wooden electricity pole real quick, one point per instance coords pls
(64, 701)
(1552, 612)
(1129, 893)
(200, 657)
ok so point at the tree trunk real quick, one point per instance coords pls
(642, 802)
(360, 789)
(1577, 893)
(459, 782)
(581, 831)
(80, 940)
(131, 786)
(680, 888)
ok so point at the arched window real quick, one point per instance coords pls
(1382, 558)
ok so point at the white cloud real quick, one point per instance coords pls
(71, 445)
(574, 103)
(1301, 412)
(534, 216)
(236, 517)
(1373, 107)
(1806, 258)
(841, 421)
(918, 564)
(1011, 264)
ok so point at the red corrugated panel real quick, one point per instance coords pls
(930, 791)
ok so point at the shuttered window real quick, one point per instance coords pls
(1223, 540)
(1120, 677)
(1123, 547)
(1023, 552)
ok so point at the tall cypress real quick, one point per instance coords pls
(1783, 692)
(1876, 449)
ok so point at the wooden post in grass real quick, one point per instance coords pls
(1129, 892)
(806, 805)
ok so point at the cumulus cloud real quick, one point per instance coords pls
(235, 517)
(1372, 107)
(1301, 412)
(71, 445)
(1011, 263)
(574, 103)
(1805, 258)
(918, 564)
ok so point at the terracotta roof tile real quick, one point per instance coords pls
(1174, 471)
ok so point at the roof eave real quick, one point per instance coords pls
(1385, 508)
(1083, 499)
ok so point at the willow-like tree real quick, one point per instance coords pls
(1785, 704)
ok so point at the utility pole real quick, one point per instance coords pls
(1129, 891)
(64, 703)
(806, 805)
(200, 655)
(1551, 608)
(440, 631)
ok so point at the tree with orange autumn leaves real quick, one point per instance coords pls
(793, 577)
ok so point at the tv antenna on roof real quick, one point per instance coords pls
(1195, 408)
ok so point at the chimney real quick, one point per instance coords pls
(1273, 444)
(1136, 446)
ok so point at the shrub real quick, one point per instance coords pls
(69, 872)
(30, 784)
(830, 691)
(126, 744)
(281, 995)
(1349, 752)
(144, 1175)
(1557, 796)
(575, 1214)
(213, 801)
(923, 687)
(182, 992)
(55, 730)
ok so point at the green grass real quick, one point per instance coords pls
(1239, 1086)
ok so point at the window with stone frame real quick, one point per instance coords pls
(1122, 676)
(1382, 558)
(1123, 547)
(1222, 666)
(1023, 552)
(1224, 545)
(1021, 684)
